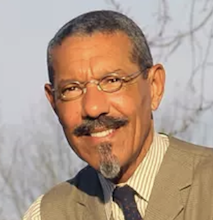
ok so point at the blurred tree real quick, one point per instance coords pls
(48, 158)
(196, 100)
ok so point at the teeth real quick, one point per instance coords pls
(102, 133)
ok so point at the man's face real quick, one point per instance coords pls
(92, 57)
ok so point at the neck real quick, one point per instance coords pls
(127, 171)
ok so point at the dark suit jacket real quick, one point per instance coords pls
(183, 190)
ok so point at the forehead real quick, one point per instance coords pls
(94, 53)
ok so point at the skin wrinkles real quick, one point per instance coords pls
(64, 82)
(88, 61)
(135, 101)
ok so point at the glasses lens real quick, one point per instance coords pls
(71, 91)
(111, 83)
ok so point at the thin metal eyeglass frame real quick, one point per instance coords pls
(123, 79)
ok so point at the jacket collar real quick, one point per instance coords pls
(173, 180)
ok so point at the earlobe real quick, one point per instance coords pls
(157, 81)
(49, 95)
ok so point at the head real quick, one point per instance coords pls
(109, 129)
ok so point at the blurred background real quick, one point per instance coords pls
(34, 154)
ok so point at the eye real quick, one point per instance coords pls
(73, 88)
(111, 80)
(111, 83)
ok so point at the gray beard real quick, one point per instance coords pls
(109, 165)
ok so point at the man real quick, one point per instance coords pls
(104, 88)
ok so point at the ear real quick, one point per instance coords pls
(50, 95)
(157, 81)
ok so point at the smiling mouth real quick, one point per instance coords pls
(102, 127)
(102, 133)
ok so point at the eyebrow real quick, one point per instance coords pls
(63, 82)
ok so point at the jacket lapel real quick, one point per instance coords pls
(171, 185)
(88, 197)
(91, 208)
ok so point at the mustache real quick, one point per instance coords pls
(108, 122)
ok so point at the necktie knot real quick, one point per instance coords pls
(124, 197)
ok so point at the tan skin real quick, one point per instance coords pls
(83, 58)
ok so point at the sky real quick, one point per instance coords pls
(25, 30)
(27, 27)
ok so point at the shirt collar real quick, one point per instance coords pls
(142, 179)
(145, 173)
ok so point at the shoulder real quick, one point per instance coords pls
(199, 156)
(64, 199)
(64, 191)
(83, 181)
(189, 148)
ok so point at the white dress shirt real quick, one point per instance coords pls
(141, 181)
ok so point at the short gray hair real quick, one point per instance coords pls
(105, 22)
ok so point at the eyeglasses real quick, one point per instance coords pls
(109, 83)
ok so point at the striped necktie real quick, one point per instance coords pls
(124, 197)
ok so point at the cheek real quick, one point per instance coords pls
(142, 98)
(132, 101)
(69, 115)
(135, 104)
(143, 111)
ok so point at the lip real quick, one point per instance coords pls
(96, 140)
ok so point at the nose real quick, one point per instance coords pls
(94, 102)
